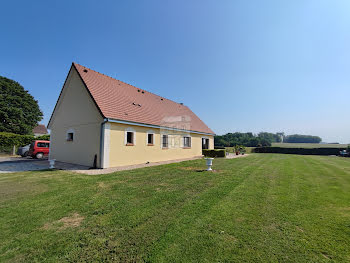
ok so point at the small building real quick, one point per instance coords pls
(103, 122)
(40, 130)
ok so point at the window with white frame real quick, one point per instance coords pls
(70, 135)
(150, 138)
(130, 138)
(187, 141)
(165, 141)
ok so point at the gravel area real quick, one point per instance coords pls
(19, 164)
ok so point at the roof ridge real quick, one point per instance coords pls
(130, 84)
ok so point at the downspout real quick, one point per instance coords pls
(102, 142)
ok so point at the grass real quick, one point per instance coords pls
(262, 208)
(309, 145)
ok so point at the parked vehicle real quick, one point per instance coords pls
(23, 151)
(38, 149)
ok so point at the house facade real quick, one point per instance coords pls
(102, 122)
(40, 130)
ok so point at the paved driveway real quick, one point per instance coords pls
(19, 164)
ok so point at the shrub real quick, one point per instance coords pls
(219, 147)
(301, 151)
(9, 139)
(214, 153)
(45, 137)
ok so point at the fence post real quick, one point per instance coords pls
(14, 150)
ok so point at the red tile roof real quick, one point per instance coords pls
(121, 101)
(40, 129)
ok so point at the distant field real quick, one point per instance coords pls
(309, 145)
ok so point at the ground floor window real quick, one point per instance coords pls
(165, 141)
(129, 138)
(70, 135)
(205, 143)
(150, 137)
(187, 141)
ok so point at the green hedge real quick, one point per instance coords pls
(43, 137)
(214, 153)
(301, 151)
(219, 147)
(9, 139)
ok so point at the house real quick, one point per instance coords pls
(40, 130)
(103, 122)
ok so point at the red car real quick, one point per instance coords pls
(39, 149)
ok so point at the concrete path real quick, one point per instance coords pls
(19, 164)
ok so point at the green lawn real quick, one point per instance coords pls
(262, 208)
(309, 145)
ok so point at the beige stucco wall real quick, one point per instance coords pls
(120, 154)
(75, 111)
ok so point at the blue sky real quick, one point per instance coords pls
(239, 65)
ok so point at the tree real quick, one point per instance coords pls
(19, 111)
(246, 139)
(281, 135)
(271, 137)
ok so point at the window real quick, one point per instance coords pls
(150, 138)
(165, 141)
(43, 145)
(187, 142)
(205, 143)
(70, 136)
(129, 138)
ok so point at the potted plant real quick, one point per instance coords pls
(236, 148)
(242, 149)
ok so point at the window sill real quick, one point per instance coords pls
(129, 144)
(165, 148)
(150, 144)
(69, 140)
(186, 147)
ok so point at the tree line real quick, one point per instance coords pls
(261, 139)
(297, 138)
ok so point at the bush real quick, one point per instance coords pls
(6, 149)
(301, 151)
(219, 147)
(45, 137)
(9, 139)
(214, 153)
